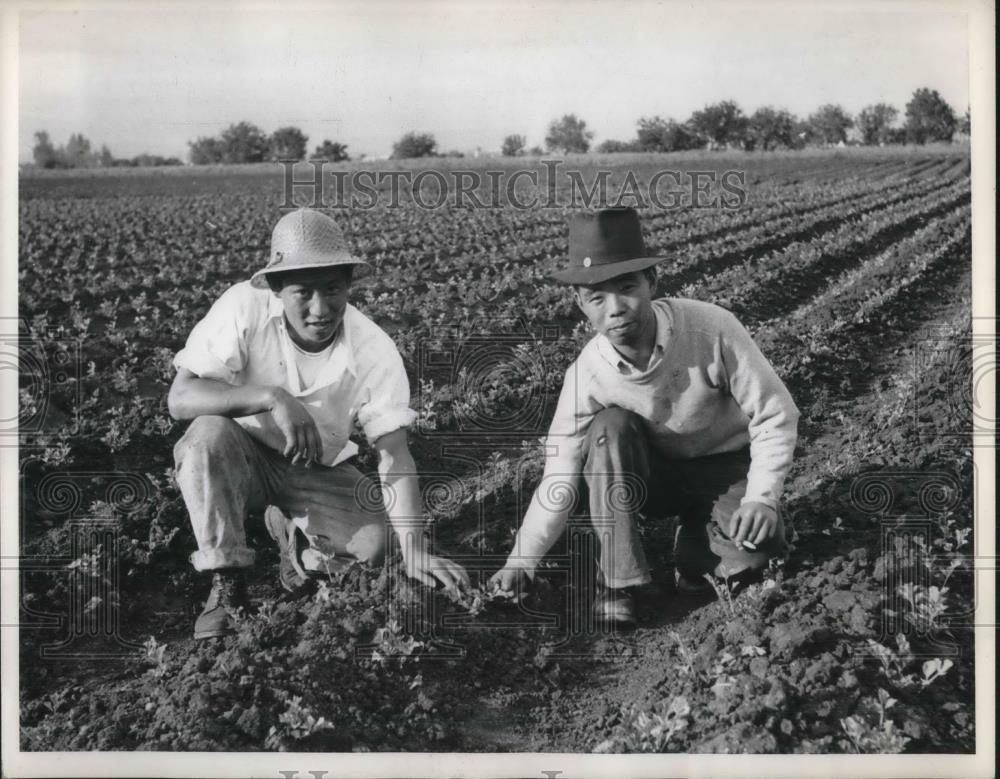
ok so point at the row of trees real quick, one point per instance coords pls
(78, 153)
(414, 145)
(724, 125)
(246, 142)
(721, 125)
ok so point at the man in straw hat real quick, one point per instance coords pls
(275, 378)
(670, 410)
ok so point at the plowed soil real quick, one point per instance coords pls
(853, 272)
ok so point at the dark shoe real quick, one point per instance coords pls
(290, 572)
(615, 607)
(691, 583)
(228, 595)
(740, 581)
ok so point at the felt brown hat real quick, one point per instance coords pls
(604, 244)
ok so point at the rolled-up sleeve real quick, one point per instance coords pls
(217, 346)
(386, 396)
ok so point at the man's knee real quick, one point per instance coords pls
(210, 434)
(611, 426)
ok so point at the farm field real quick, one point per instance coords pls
(852, 268)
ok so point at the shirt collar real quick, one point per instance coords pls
(623, 366)
(343, 350)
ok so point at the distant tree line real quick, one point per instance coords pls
(724, 125)
(245, 142)
(78, 153)
(413, 145)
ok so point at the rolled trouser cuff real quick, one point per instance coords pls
(212, 559)
(617, 583)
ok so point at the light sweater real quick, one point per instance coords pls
(707, 389)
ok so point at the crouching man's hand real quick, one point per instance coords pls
(402, 494)
(302, 440)
(431, 569)
(510, 579)
(754, 522)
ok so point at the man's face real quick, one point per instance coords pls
(314, 302)
(620, 308)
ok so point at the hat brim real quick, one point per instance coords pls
(259, 279)
(596, 274)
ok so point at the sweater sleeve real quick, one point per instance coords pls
(558, 490)
(763, 397)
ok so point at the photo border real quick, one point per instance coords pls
(981, 16)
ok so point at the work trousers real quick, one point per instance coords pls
(628, 481)
(224, 474)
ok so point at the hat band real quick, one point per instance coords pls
(598, 260)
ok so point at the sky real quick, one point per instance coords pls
(143, 78)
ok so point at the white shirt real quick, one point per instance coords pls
(361, 385)
(309, 364)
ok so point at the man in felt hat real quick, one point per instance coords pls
(275, 378)
(670, 410)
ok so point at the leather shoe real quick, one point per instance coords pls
(691, 583)
(615, 607)
(228, 595)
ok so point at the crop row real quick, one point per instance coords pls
(484, 295)
(121, 232)
(771, 212)
(781, 279)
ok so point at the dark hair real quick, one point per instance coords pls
(277, 280)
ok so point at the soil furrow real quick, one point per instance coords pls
(790, 285)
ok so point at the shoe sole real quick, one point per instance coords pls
(615, 619)
(278, 528)
(205, 634)
(608, 620)
(691, 584)
(688, 589)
